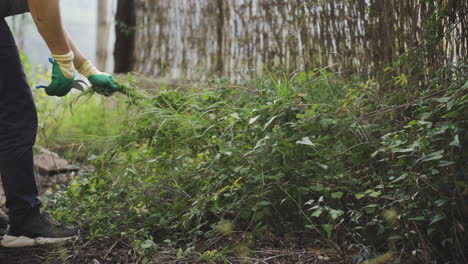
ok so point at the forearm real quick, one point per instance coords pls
(46, 16)
(79, 59)
(81, 63)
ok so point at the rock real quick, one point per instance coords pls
(50, 163)
(51, 170)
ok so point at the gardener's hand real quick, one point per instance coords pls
(63, 75)
(102, 82)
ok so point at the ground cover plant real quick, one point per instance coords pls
(74, 130)
(294, 160)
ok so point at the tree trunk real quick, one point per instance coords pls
(125, 36)
(220, 29)
(102, 38)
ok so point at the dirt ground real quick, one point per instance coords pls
(120, 252)
(92, 251)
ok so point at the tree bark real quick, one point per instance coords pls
(102, 38)
(220, 29)
(125, 36)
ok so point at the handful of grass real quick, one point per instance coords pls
(136, 97)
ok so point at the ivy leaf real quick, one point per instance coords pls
(328, 229)
(315, 207)
(261, 142)
(417, 218)
(465, 86)
(360, 195)
(317, 188)
(437, 218)
(317, 212)
(264, 203)
(434, 156)
(306, 141)
(452, 114)
(441, 202)
(401, 150)
(323, 166)
(370, 209)
(147, 244)
(402, 177)
(269, 122)
(334, 214)
(443, 99)
(375, 194)
(455, 142)
(424, 115)
(445, 163)
(253, 119)
(337, 195)
(327, 122)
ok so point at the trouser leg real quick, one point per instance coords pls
(19, 182)
(18, 127)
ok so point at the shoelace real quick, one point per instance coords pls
(48, 219)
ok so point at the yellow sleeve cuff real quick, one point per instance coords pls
(88, 69)
(66, 63)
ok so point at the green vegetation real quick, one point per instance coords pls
(306, 159)
(75, 130)
(375, 169)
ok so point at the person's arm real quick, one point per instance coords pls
(46, 16)
(79, 59)
(95, 77)
(66, 56)
(48, 20)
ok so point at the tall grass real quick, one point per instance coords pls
(232, 166)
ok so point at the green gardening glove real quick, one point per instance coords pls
(60, 85)
(102, 82)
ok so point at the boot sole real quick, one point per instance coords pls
(22, 241)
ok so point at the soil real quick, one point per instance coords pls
(120, 252)
(93, 251)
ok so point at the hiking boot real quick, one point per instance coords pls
(36, 228)
(3, 224)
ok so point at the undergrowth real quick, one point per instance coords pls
(304, 159)
(74, 130)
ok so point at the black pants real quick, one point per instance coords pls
(18, 127)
